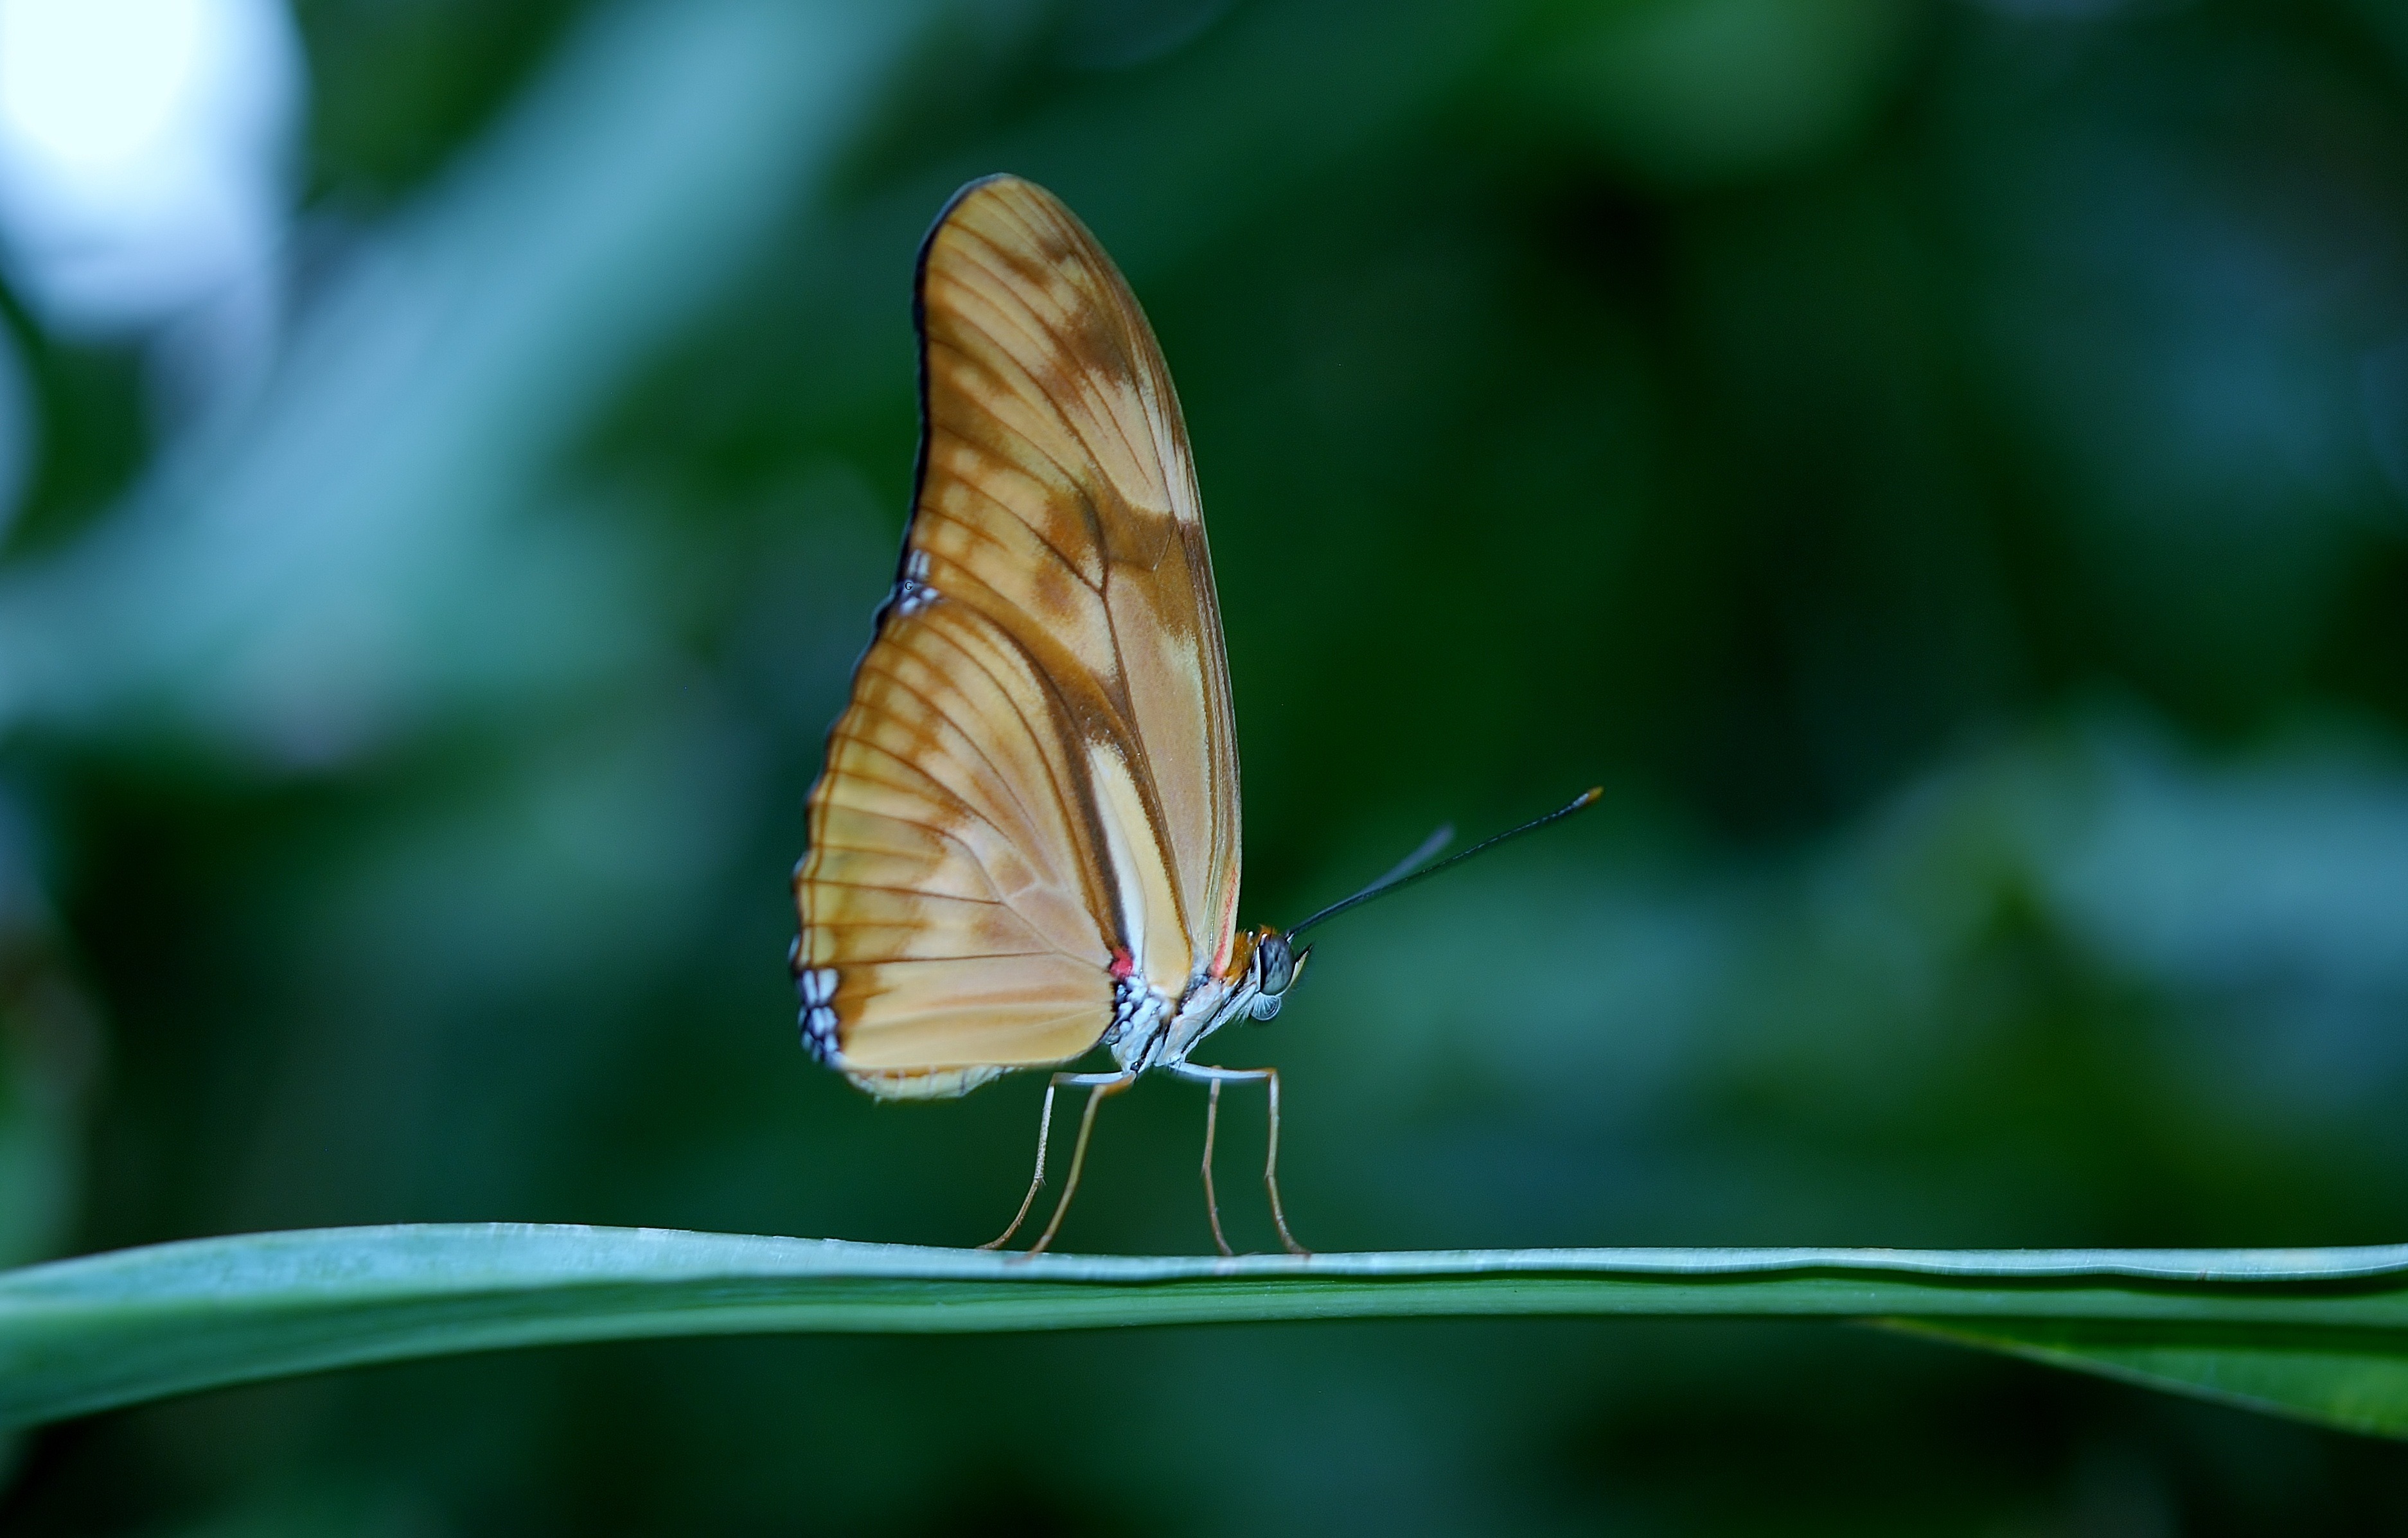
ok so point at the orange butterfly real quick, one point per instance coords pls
(1025, 842)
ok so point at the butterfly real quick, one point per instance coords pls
(1024, 846)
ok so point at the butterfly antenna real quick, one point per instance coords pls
(1405, 876)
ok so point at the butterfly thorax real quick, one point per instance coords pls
(1150, 1029)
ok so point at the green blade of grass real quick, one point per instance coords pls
(2318, 1333)
(2356, 1381)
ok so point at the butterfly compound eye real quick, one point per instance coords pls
(1275, 969)
(1278, 965)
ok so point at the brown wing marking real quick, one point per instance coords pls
(1047, 388)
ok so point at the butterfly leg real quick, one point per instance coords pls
(1211, 1199)
(1037, 1181)
(1098, 1085)
(1216, 1077)
(1102, 1083)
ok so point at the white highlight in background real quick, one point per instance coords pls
(144, 154)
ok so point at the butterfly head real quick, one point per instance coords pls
(1275, 965)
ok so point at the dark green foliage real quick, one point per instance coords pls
(1941, 465)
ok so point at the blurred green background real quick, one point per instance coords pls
(1941, 463)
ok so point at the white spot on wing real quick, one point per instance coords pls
(912, 591)
(816, 986)
(1121, 810)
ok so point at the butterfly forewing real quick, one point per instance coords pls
(1036, 781)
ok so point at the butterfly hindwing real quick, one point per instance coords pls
(1036, 774)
